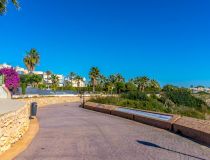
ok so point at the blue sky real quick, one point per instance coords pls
(165, 40)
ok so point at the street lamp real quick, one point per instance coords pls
(82, 99)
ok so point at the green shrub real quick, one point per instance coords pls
(42, 86)
(135, 95)
(23, 87)
(150, 104)
(184, 97)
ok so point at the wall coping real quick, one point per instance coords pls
(8, 105)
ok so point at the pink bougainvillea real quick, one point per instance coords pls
(12, 80)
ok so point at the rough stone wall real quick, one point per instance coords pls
(44, 101)
(13, 125)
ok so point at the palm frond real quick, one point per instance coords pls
(16, 3)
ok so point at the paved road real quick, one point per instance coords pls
(68, 132)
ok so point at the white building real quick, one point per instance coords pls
(18, 69)
(47, 78)
(21, 70)
(76, 83)
(61, 79)
(4, 65)
(200, 89)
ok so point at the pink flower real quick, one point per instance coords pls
(12, 80)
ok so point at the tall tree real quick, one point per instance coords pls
(31, 59)
(3, 5)
(71, 77)
(49, 73)
(154, 85)
(55, 82)
(94, 74)
(141, 82)
(102, 81)
(119, 78)
(78, 79)
(114, 78)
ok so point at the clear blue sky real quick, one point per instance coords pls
(163, 39)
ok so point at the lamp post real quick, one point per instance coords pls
(82, 99)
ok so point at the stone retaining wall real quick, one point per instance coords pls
(44, 101)
(13, 125)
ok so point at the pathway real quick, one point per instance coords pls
(68, 132)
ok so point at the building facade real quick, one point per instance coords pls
(75, 83)
(44, 75)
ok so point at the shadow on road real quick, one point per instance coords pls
(149, 144)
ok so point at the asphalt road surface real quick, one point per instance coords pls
(68, 132)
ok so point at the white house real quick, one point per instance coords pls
(47, 79)
(4, 65)
(75, 83)
(200, 89)
(20, 70)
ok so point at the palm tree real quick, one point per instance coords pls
(119, 78)
(78, 79)
(3, 5)
(94, 74)
(48, 76)
(114, 78)
(154, 84)
(31, 60)
(102, 80)
(72, 75)
(141, 82)
(55, 81)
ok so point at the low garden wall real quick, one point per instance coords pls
(48, 100)
(14, 122)
(110, 109)
(193, 128)
(198, 130)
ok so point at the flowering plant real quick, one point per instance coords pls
(12, 80)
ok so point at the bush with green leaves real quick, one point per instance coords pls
(150, 104)
(136, 95)
(31, 79)
(183, 97)
(23, 88)
(129, 86)
(42, 86)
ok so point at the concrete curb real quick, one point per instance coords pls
(23, 143)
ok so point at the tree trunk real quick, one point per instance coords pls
(94, 85)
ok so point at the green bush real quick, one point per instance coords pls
(135, 95)
(184, 97)
(42, 86)
(23, 87)
(152, 105)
